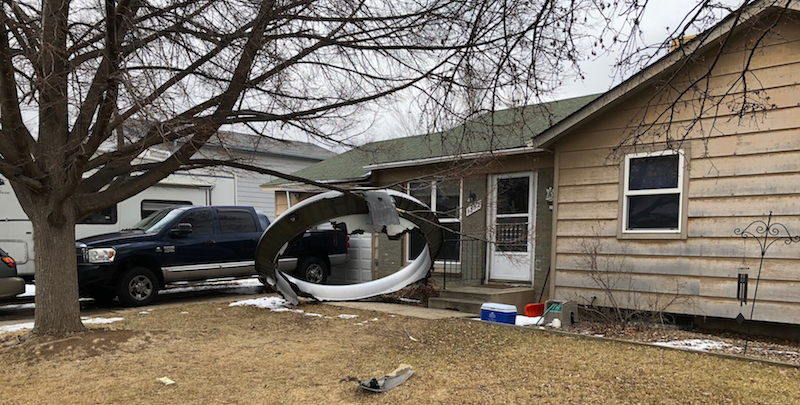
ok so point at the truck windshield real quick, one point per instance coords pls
(156, 221)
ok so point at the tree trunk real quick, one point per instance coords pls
(57, 307)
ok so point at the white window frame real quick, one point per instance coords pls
(407, 250)
(679, 190)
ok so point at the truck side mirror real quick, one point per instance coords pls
(182, 229)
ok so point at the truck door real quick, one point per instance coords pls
(238, 239)
(195, 255)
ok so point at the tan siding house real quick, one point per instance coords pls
(655, 219)
(651, 180)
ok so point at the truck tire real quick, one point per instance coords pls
(313, 269)
(138, 286)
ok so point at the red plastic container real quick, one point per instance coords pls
(532, 310)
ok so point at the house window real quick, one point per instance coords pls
(444, 198)
(653, 193)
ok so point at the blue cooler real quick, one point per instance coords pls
(500, 313)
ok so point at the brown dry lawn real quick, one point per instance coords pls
(245, 355)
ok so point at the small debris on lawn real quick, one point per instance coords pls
(166, 381)
(387, 382)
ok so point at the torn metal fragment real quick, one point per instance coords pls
(381, 209)
(389, 381)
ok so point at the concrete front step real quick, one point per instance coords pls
(471, 298)
(466, 306)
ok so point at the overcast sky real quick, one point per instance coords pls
(660, 19)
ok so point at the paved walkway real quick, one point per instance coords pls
(406, 310)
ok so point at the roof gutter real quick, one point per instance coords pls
(449, 158)
(617, 93)
(283, 187)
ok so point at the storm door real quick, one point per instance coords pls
(511, 216)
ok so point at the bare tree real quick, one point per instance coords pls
(181, 70)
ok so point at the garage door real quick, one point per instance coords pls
(359, 268)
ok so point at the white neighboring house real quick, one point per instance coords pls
(198, 187)
(283, 156)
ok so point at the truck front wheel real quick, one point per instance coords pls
(138, 286)
(313, 269)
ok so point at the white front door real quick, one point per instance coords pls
(511, 219)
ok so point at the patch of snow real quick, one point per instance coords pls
(346, 316)
(18, 306)
(184, 312)
(694, 344)
(16, 327)
(411, 300)
(771, 351)
(523, 320)
(86, 320)
(30, 291)
(313, 314)
(271, 303)
(297, 311)
(245, 286)
(374, 319)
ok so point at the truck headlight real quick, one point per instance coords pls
(102, 255)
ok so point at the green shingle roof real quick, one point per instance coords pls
(505, 129)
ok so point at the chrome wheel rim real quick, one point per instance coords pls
(140, 288)
(314, 273)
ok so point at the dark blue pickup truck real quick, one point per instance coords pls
(192, 243)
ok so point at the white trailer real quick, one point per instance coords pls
(16, 235)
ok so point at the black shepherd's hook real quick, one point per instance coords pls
(766, 234)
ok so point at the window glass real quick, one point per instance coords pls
(653, 196)
(156, 221)
(512, 195)
(202, 221)
(236, 221)
(649, 173)
(151, 206)
(444, 198)
(106, 216)
(448, 199)
(451, 248)
(421, 190)
(653, 211)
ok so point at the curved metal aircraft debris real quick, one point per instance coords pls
(386, 211)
